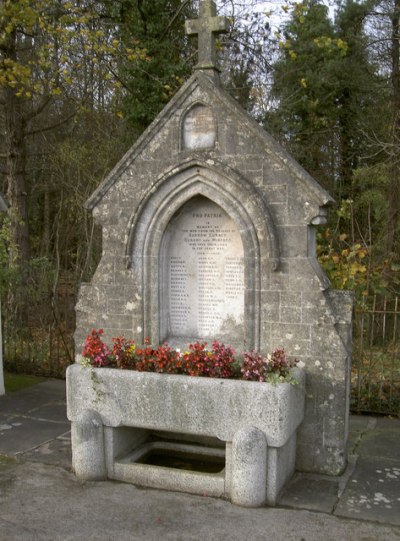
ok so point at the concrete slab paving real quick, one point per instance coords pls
(32, 417)
(55, 452)
(6, 423)
(22, 402)
(41, 499)
(310, 492)
(373, 492)
(46, 503)
(359, 425)
(29, 400)
(388, 422)
(382, 442)
(19, 434)
(53, 411)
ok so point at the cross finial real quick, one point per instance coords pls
(206, 27)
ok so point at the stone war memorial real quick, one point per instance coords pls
(209, 232)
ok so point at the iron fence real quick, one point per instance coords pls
(376, 356)
(41, 341)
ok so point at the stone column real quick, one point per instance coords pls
(88, 454)
(249, 468)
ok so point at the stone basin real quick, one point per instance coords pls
(117, 414)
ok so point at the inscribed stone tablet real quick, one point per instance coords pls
(205, 272)
(199, 128)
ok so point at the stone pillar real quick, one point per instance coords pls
(88, 454)
(249, 468)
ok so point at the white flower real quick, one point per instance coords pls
(301, 364)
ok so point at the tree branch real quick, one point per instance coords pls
(53, 126)
(178, 12)
(37, 110)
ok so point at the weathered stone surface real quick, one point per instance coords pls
(202, 406)
(274, 206)
(87, 440)
(115, 411)
(198, 128)
(249, 471)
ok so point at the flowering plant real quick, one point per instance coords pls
(197, 360)
(273, 367)
(96, 350)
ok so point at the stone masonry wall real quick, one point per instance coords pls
(297, 310)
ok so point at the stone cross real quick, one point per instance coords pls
(205, 27)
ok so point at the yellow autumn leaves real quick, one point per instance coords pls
(346, 266)
(46, 44)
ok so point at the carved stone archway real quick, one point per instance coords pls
(238, 199)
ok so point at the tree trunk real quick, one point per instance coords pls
(45, 247)
(15, 165)
(15, 176)
(15, 162)
(394, 185)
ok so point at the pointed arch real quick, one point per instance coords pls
(238, 198)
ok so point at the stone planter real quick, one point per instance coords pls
(120, 416)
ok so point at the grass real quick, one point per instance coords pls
(16, 382)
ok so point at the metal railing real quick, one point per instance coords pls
(376, 356)
(41, 343)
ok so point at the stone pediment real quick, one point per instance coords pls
(200, 90)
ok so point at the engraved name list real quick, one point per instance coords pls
(205, 271)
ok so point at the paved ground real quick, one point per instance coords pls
(40, 499)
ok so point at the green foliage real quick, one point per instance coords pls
(332, 113)
(8, 266)
(66, 179)
(245, 58)
(304, 88)
(29, 287)
(344, 263)
(360, 266)
(371, 205)
(324, 86)
(149, 83)
(45, 44)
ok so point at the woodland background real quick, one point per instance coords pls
(79, 82)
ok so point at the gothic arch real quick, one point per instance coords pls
(238, 198)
